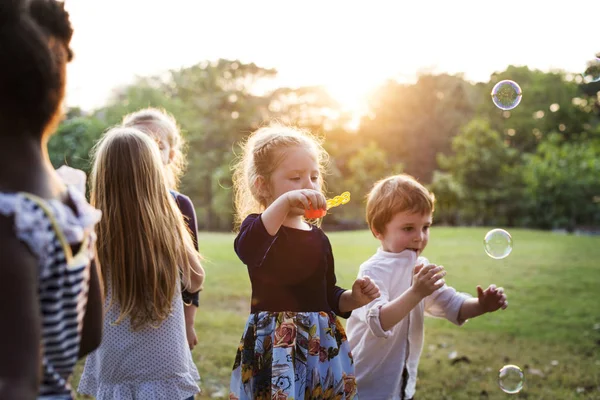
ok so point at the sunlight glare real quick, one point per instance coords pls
(353, 95)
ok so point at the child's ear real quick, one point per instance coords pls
(171, 155)
(376, 233)
(261, 187)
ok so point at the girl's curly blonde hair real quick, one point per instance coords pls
(261, 154)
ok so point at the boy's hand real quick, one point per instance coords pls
(299, 201)
(364, 290)
(492, 298)
(427, 279)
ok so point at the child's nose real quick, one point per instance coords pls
(308, 184)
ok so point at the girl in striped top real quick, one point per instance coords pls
(49, 290)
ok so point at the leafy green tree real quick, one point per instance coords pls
(563, 189)
(486, 169)
(551, 102)
(416, 122)
(73, 140)
(449, 195)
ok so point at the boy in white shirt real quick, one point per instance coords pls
(386, 335)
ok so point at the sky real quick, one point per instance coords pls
(348, 46)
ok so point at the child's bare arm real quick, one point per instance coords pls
(196, 270)
(364, 290)
(196, 280)
(396, 310)
(19, 310)
(426, 280)
(189, 311)
(489, 300)
(91, 333)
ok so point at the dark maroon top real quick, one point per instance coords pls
(189, 215)
(291, 271)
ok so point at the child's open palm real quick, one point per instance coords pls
(427, 279)
(492, 298)
(364, 291)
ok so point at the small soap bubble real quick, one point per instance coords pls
(506, 95)
(592, 72)
(498, 243)
(510, 379)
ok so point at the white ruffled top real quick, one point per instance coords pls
(28, 218)
(49, 228)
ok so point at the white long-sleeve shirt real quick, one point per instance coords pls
(381, 356)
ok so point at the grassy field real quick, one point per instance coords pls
(551, 328)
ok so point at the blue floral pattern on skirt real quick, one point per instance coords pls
(292, 356)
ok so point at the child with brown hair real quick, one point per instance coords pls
(386, 335)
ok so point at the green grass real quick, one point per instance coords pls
(552, 282)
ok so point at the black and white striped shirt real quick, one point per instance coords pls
(52, 230)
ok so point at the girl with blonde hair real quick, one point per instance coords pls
(146, 254)
(293, 345)
(162, 127)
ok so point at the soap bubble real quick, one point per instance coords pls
(592, 72)
(497, 243)
(506, 95)
(510, 379)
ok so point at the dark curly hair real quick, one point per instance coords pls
(34, 51)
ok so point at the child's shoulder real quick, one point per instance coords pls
(252, 222)
(41, 223)
(183, 202)
(375, 263)
(180, 196)
(251, 218)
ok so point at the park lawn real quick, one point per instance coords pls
(551, 328)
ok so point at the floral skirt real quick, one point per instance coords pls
(293, 356)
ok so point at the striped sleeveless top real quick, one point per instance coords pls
(49, 228)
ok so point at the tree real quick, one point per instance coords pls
(563, 189)
(449, 195)
(486, 169)
(416, 122)
(217, 109)
(360, 172)
(551, 102)
(73, 140)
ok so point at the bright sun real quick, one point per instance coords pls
(351, 94)
(353, 97)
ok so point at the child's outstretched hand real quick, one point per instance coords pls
(364, 291)
(492, 298)
(427, 279)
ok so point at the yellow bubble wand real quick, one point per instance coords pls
(343, 198)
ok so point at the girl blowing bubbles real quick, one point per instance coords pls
(293, 346)
(146, 254)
